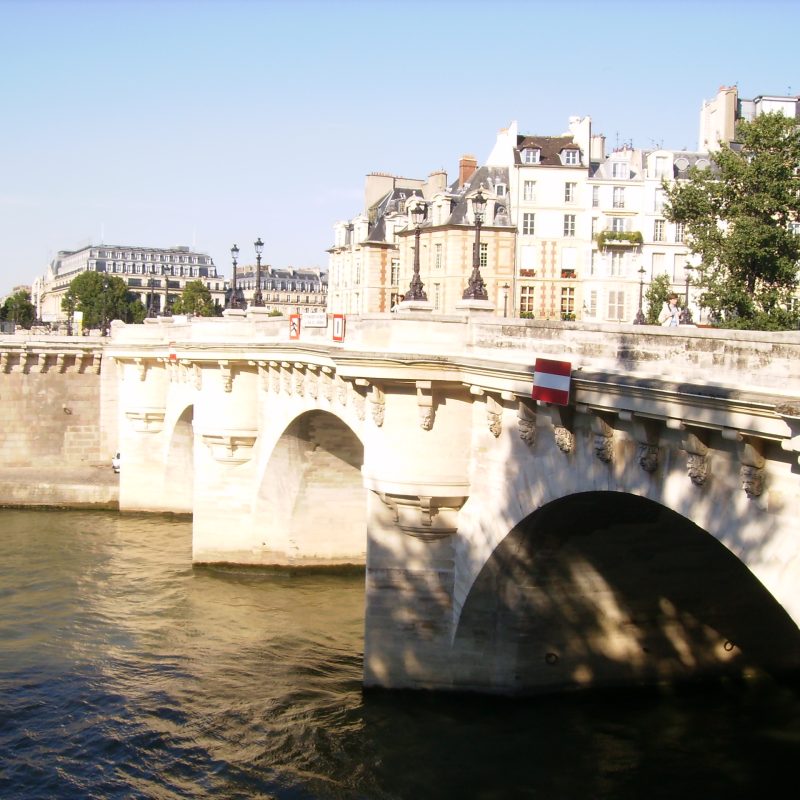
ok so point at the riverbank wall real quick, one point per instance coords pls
(58, 427)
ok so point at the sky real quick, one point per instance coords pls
(206, 123)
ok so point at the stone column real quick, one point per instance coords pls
(226, 435)
(415, 471)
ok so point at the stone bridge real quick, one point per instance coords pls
(646, 531)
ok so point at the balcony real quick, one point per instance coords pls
(618, 239)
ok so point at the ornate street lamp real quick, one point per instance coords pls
(165, 311)
(258, 300)
(151, 311)
(639, 319)
(415, 290)
(476, 289)
(506, 287)
(686, 314)
(233, 300)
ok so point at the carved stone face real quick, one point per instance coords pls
(527, 431)
(604, 448)
(565, 439)
(697, 467)
(752, 481)
(648, 457)
(425, 417)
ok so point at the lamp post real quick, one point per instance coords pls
(415, 289)
(151, 311)
(639, 319)
(165, 311)
(506, 287)
(686, 314)
(233, 300)
(476, 289)
(258, 300)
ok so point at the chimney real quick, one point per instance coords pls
(466, 168)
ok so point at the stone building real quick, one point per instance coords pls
(151, 273)
(285, 289)
(568, 231)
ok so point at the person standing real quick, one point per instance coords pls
(670, 313)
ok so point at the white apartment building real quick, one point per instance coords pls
(718, 117)
(288, 290)
(154, 274)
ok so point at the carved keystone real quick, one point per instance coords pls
(751, 456)
(603, 435)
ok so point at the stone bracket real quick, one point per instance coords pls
(563, 419)
(146, 420)
(696, 446)
(425, 404)
(231, 447)
(526, 422)
(424, 517)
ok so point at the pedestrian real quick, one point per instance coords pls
(670, 314)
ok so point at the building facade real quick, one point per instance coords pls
(157, 275)
(568, 231)
(288, 290)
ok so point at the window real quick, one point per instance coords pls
(569, 192)
(658, 201)
(658, 230)
(530, 155)
(529, 190)
(437, 296)
(593, 303)
(678, 267)
(619, 169)
(619, 197)
(616, 305)
(616, 263)
(594, 226)
(528, 224)
(618, 224)
(794, 227)
(658, 265)
(500, 190)
(593, 263)
(595, 196)
(484, 254)
(567, 300)
(661, 167)
(569, 225)
(526, 299)
(680, 232)
(571, 157)
(437, 256)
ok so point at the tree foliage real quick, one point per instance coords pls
(738, 216)
(102, 298)
(656, 295)
(18, 308)
(195, 299)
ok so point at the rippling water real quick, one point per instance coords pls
(126, 673)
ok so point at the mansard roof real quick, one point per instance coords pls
(550, 148)
(393, 202)
(487, 179)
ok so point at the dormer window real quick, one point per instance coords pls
(570, 157)
(619, 169)
(500, 190)
(530, 155)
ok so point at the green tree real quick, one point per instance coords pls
(18, 308)
(739, 216)
(656, 295)
(102, 298)
(195, 299)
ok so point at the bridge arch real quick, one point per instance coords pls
(311, 501)
(179, 459)
(605, 588)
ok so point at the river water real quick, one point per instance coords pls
(127, 673)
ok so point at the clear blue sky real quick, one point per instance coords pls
(205, 123)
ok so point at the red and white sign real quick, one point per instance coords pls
(294, 326)
(338, 327)
(173, 356)
(551, 381)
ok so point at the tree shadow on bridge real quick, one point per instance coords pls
(607, 588)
